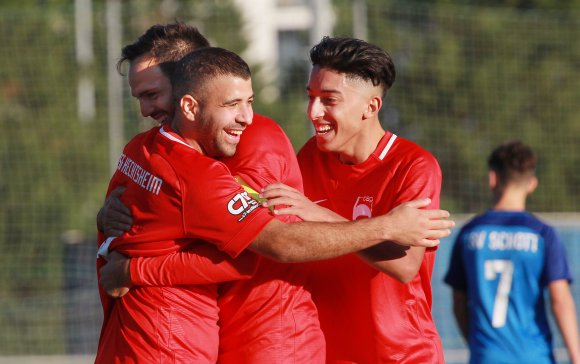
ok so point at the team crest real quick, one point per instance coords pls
(363, 208)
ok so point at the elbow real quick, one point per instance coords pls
(405, 274)
(406, 277)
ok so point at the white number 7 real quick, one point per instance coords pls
(505, 269)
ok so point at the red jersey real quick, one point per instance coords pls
(176, 196)
(368, 317)
(270, 318)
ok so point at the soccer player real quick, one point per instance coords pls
(214, 91)
(502, 262)
(278, 313)
(374, 306)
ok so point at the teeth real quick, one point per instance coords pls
(235, 132)
(323, 128)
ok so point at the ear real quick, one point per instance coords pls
(373, 107)
(492, 179)
(532, 184)
(189, 106)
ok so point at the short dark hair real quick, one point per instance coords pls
(166, 43)
(512, 162)
(194, 70)
(355, 58)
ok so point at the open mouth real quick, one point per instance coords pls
(235, 133)
(323, 129)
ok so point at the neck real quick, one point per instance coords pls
(364, 144)
(511, 200)
(186, 136)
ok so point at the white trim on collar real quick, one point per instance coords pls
(171, 137)
(387, 147)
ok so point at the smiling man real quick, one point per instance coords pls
(374, 306)
(377, 306)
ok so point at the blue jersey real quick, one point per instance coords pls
(504, 261)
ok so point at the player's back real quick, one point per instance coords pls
(505, 260)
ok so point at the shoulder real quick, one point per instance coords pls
(143, 137)
(263, 135)
(545, 229)
(407, 160)
(185, 161)
(265, 122)
(413, 152)
(534, 223)
(265, 128)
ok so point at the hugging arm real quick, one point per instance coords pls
(406, 224)
(202, 263)
(400, 258)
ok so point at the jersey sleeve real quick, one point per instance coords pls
(556, 266)
(216, 209)
(422, 180)
(202, 264)
(455, 276)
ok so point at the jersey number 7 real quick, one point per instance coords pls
(505, 270)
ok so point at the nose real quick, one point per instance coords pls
(314, 109)
(245, 114)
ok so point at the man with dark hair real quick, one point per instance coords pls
(155, 52)
(374, 306)
(210, 125)
(502, 262)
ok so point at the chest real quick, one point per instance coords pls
(355, 195)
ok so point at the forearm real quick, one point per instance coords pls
(198, 266)
(406, 224)
(308, 241)
(399, 262)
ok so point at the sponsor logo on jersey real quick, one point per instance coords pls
(363, 208)
(242, 205)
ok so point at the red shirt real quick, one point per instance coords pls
(177, 196)
(367, 316)
(270, 318)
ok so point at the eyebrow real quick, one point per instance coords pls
(238, 99)
(328, 91)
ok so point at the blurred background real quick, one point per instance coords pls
(470, 75)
